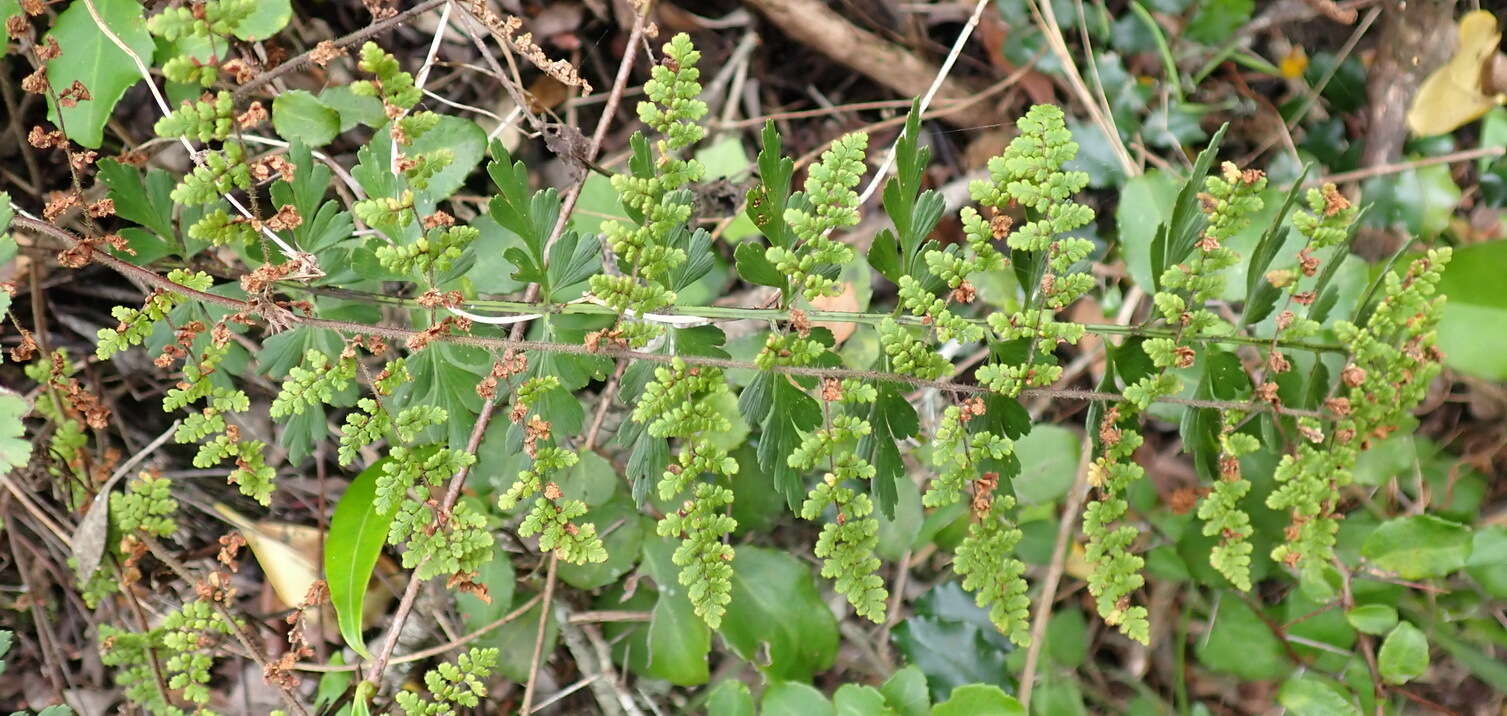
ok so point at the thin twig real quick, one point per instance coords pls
(422, 654)
(936, 84)
(1065, 528)
(533, 669)
(301, 60)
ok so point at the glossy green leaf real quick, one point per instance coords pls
(731, 698)
(7, 8)
(974, 699)
(1488, 560)
(1404, 655)
(1419, 546)
(264, 22)
(96, 62)
(299, 115)
(1312, 696)
(459, 135)
(860, 700)
(783, 698)
(357, 533)
(1372, 618)
(905, 692)
(776, 619)
(1472, 281)
(1240, 643)
(952, 641)
(678, 641)
(1048, 464)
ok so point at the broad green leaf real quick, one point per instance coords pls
(1312, 696)
(459, 135)
(974, 699)
(299, 115)
(905, 692)
(357, 533)
(724, 157)
(730, 698)
(1488, 560)
(1404, 655)
(1372, 618)
(1145, 202)
(1067, 637)
(96, 62)
(1216, 20)
(860, 700)
(1241, 644)
(1418, 547)
(353, 109)
(1472, 281)
(892, 419)
(263, 22)
(776, 613)
(678, 641)
(785, 698)
(1422, 200)
(1048, 464)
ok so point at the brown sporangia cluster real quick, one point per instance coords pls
(983, 494)
(77, 398)
(240, 69)
(183, 340)
(286, 219)
(380, 9)
(435, 298)
(74, 94)
(266, 167)
(450, 325)
(800, 322)
(1183, 499)
(44, 139)
(1000, 224)
(536, 429)
(1109, 429)
(326, 51)
(612, 336)
(507, 30)
(510, 364)
(254, 115)
(466, 583)
(230, 550)
(1334, 201)
(438, 219)
(831, 390)
(1276, 362)
(964, 293)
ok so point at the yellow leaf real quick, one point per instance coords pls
(1453, 95)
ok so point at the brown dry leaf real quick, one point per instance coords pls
(288, 555)
(845, 301)
(1454, 94)
(547, 93)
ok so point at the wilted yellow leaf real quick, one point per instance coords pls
(1453, 95)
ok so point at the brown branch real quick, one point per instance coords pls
(1070, 511)
(304, 59)
(533, 669)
